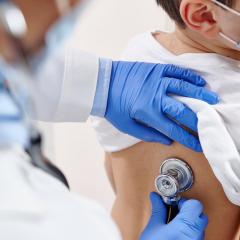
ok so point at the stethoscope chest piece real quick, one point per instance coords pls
(175, 177)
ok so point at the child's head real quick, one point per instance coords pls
(214, 20)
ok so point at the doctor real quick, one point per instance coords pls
(35, 205)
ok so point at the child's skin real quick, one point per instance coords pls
(132, 171)
(204, 21)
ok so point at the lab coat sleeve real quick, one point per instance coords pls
(78, 87)
(101, 97)
(73, 85)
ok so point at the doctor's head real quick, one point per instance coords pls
(39, 16)
(214, 23)
(34, 35)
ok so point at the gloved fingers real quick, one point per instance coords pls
(157, 220)
(202, 236)
(191, 209)
(147, 134)
(192, 217)
(204, 221)
(186, 89)
(159, 211)
(179, 112)
(178, 134)
(181, 202)
(187, 75)
(168, 128)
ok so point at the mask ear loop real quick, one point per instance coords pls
(233, 11)
(237, 44)
(226, 7)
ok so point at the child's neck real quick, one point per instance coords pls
(181, 41)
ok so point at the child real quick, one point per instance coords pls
(206, 39)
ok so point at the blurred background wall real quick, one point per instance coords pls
(104, 29)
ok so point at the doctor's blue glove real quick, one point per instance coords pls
(140, 105)
(12, 128)
(189, 224)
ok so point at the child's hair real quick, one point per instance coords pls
(172, 9)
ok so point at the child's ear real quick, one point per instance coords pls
(199, 16)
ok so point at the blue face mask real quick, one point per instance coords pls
(224, 36)
(27, 80)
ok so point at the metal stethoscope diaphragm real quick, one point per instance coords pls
(175, 177)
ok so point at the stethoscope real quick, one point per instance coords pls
(175, 177)
(13, 22)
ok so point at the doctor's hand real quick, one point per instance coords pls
(189, 224)
(139, 102)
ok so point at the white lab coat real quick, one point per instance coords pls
(66, 90)
(36, 206)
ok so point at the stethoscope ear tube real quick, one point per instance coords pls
(38, 160)
(172, 212)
